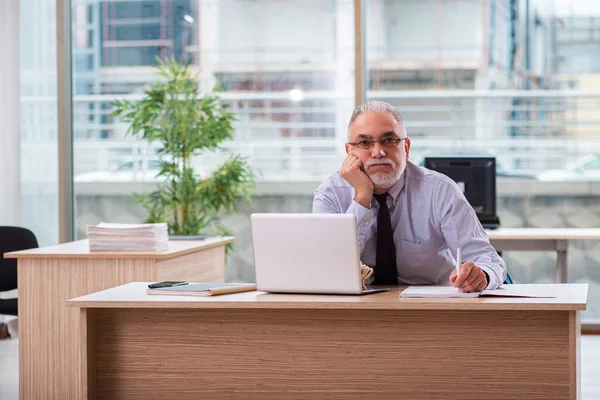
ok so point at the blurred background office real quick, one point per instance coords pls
(514, 79)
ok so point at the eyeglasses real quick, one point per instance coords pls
(388, 143)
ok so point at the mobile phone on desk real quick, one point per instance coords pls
(166, 284)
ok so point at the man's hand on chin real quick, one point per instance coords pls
(352, 172)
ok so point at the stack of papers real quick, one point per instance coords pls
(143, 238)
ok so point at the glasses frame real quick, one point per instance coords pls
(396, 140)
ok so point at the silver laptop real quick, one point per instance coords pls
(307, 253)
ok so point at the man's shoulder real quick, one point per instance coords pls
(426, 176)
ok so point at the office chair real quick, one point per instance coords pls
(12, 238)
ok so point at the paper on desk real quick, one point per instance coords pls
(503, 291)
(435, 291)
(128, 237)
(541, 291)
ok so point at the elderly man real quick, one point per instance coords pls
(411, 220)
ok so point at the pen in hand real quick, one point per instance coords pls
(458, 258)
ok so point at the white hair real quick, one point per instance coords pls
(379, 107)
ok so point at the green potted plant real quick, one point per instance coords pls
(186, 123)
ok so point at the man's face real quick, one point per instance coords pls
(384, 165)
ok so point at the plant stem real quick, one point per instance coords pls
(185, 208)
(175, 209)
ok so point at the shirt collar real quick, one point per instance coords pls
(396, 189)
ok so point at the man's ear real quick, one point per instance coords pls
(347, 148)
(406, 147)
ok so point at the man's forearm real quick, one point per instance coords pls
(364, 199)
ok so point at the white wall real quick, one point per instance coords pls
(10, 143)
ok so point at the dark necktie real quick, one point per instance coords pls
(385, 262)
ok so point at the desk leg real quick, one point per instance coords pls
(87, 368)
(575, 354)
(561, 261)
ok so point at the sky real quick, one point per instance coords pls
(577, 7)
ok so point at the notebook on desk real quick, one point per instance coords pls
(203, 289)
(307, 253)
(502, 291)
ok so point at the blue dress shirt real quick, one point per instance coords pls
(430, 217)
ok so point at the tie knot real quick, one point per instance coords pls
(381, 198)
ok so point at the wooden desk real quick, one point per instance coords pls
(534, 239)
(49, 276)
(264, 346)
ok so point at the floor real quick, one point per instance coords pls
(9, 364)
(590, 366)
(9, 373)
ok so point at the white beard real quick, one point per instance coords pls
(385, 180)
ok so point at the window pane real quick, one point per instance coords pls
(39, 166)
(478, 78)
(286, 68)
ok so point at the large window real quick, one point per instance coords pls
(502, 78)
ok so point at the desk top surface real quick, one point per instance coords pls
(545, 233)
(81, 249)
(133, 295)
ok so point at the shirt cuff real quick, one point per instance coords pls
(491, 278)
(363, 215)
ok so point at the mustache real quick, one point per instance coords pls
(379, 161)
